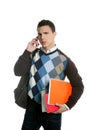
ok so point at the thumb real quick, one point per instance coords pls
(58, 104)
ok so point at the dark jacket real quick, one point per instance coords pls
(23, 64)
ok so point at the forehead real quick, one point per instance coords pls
(44, 29)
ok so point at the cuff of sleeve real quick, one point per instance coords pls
(66, 106)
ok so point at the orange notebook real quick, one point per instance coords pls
(50, 108)
(59, 91)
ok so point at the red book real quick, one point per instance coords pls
(50, 108)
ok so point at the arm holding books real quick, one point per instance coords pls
(76, 82)
(77, 87)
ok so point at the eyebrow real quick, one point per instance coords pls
(43, 32)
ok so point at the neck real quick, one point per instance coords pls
(48, 48)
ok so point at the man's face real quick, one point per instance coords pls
(46, 37)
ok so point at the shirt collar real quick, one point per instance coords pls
(50, 50)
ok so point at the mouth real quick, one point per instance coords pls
(43, 42)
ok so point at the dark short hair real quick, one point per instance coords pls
(48, 23)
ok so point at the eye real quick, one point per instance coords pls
(45, 32)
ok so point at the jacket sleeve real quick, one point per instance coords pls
(23, 64)
(76, 82)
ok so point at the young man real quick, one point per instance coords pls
(42, 64)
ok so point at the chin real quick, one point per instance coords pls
(44, 46)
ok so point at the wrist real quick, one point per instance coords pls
(66, 106)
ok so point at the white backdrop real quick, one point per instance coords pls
(18, 22)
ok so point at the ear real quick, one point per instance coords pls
(55, 33)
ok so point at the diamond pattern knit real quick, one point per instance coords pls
(45, 66)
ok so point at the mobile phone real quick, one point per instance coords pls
(37, 43)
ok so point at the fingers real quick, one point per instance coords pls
(62, 108)
(33, 44)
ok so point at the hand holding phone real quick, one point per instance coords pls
(33, 44)
(37, 43)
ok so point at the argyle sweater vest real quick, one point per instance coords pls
(44, 67)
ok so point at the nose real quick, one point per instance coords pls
(42, 36)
